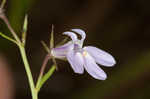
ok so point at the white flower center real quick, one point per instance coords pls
(84, 53)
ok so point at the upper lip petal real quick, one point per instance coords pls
(72, 35)
(81, 32)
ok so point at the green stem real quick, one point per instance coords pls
(8, 38)
(28, 71)
(34, 92)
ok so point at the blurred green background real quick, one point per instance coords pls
(120, 27)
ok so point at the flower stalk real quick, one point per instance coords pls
(47, 57)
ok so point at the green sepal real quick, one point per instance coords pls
(52, 38)
(45, 47)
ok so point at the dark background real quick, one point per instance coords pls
(120, 27)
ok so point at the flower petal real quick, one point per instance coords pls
(72, 35)
(92, 68)
(61, 51)
(76, 61)
(81, 32)
(100, 56)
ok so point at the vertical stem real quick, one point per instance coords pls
(34, 92)
(28, 71)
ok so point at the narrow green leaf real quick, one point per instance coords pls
(25, 27)
(25, 23)
(46, 77)
(8, 38)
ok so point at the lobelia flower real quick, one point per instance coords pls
(82, 58)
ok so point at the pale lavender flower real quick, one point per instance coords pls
(86, 57)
